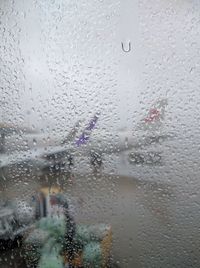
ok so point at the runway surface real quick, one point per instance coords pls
(154, 224)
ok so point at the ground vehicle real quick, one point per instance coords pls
(15, 219)
(57, 241)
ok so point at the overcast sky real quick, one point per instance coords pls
(62, 60)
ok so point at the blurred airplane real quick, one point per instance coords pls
(147, 132)
(45, 156)
(33, 150)
(151, 130)
(92, 143)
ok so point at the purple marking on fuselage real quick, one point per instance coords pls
(83, 139)
(92, 123)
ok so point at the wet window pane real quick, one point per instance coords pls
(99, 130)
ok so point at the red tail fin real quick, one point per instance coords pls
(155, 116)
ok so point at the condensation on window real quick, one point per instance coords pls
(99, 130)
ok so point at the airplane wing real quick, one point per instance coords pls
(7, 160)
(8, 129)
(40, 157)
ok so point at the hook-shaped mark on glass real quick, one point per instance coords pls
(129, 47)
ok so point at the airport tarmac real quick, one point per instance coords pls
(154, 224)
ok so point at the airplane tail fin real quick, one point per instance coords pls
(84, 137)
(72, 134)
(155, 116)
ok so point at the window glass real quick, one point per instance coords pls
(99, 131)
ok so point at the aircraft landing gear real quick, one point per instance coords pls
(61, 165)
(96, 160)
(57, 167)
(70, 161)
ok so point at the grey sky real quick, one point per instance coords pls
(63, 60)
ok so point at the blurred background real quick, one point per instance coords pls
(100, 99)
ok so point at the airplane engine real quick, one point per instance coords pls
(96, 159)
(150, 158)
(58, 161)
